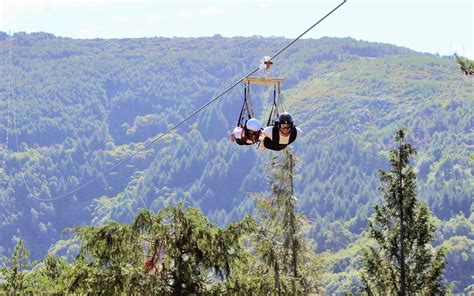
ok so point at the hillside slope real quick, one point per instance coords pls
(82, 105)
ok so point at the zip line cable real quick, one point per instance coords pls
(12, 111)
(9, 96)
(158, 137)
(19, 161)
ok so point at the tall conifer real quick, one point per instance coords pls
(282, 244)
(13, 275)
(403, 261)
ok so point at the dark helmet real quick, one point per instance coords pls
(285, 117)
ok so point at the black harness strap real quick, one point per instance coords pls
(270, 116)
(249, 103)
(239, 121)
(247, 110)
(274, 143)
(274, 111)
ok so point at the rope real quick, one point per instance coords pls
(9, 96)
(251, 113)
(281, 100)
(239, 121)
(158, 137)
(247, 107)
(121, 162)
(302, 34)
(274, 106)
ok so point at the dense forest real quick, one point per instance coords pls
(70, 109)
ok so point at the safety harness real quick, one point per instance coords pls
(274, 143)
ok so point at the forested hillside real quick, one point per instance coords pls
(73, 108)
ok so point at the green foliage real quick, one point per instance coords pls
(459, 254)
(186, 253)
(342, 272)
(82, 105)
(109, 260)
(337, 237)
(467, 66)
(174, 252)
(454, 236)
(14, 276)
(402, 261)
(51, 276)
(286, 263)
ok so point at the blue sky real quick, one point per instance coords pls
(434, 26)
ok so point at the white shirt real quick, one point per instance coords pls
(239, 132)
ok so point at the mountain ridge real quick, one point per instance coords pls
(82, 105)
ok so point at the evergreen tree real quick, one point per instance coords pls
(174, 252)
(280, 242)
(110, 261)
(186, 253)
(467, 66)
(14, 275)
(402, 262)
(51, 278)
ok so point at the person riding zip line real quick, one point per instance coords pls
(250, 134)
(283, 133)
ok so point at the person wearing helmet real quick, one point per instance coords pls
(283, 133)
(249, 134)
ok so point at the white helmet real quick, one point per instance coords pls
(253, 125)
